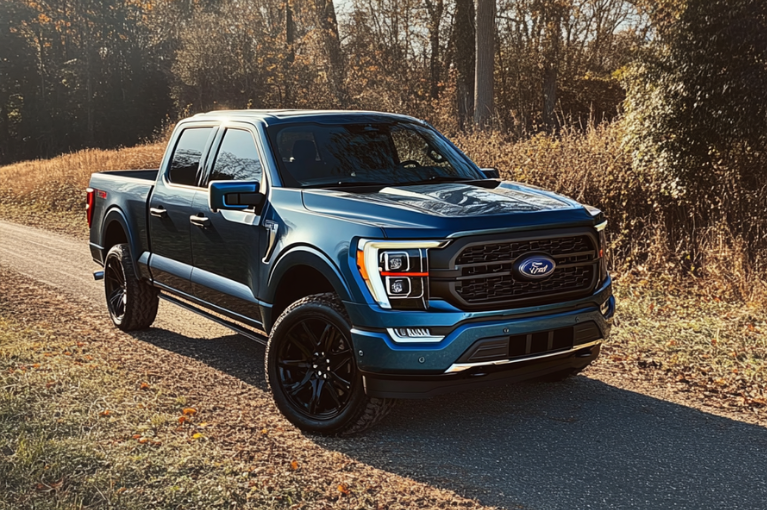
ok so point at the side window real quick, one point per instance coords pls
(237, 159)
(186, 157)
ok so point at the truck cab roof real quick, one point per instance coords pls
(273, 117)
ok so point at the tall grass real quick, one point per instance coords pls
(58, 184)
(650, 234)
(648, 237)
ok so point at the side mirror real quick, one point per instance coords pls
(491, 173)
(234, 196)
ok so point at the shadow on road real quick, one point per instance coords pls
(576, 444)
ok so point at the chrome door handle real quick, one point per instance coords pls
(160, 212)
(199, 221)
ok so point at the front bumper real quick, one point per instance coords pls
(446, 364)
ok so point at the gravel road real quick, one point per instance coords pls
(577, 444)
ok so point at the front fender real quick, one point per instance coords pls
(304, 255)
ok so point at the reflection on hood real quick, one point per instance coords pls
(457, 199)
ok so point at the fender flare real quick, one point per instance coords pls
(304, 255)
(115, 214)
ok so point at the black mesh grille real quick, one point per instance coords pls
(511, 250)
(503, 288)
(482, 275)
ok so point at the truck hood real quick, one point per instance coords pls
(446, 208)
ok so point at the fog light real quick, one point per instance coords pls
(414, 335)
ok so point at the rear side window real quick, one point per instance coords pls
(237, 159)
(187, 156)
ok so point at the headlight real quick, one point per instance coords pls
(396, 272)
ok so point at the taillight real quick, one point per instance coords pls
(90, 199)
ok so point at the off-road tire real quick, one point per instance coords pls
(360, 411)
(140, 301)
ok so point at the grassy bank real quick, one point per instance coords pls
(93, 418)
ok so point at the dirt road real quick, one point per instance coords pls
(577, 444)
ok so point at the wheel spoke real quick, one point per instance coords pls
(317, 386)
(334, 395)
(327, 338)
(309, 333)
(297, 387)
(340, 380)
(294, 363)
(338, 362)
(294, 340)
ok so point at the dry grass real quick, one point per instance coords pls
(648, 236)
(93, 418)
(31, 190)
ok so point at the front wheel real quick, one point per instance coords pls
(132, 303)
(312, 371)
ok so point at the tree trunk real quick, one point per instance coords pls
(554, 14)
(435, 18)
(483, 83)
(326, 19)
(464, 59)
(290, 36)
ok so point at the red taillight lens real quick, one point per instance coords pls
(91, 197)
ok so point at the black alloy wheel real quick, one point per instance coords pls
(114, 286)
(316, 369)
(132, 303)
(312, 369)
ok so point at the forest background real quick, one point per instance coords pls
(653, 110)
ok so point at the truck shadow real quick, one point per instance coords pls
(576, 444)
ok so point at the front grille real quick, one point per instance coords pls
(507, 251)
(503, 288)
(478, 274)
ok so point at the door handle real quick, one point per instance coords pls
(160, 212)
(199, 221)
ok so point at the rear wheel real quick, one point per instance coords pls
(312, 371)
(132, 303)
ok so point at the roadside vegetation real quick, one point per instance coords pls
(92, 418)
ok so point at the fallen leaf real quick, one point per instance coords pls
(343, 489)
(105, 412)
(264, 432)
(189, 411)
(143, 440)
(181, 419)
(144, 386)
(294, 465)
(196, 435)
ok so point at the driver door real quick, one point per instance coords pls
(225, 248)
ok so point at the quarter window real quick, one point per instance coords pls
(238, 158)
(187, 156)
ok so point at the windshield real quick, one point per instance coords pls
(397, 153)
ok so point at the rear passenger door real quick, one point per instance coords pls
(170, 208)
(226, 250)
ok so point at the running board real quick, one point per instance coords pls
(252, 335)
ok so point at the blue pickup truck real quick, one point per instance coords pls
(371, 256)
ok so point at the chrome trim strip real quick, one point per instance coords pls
(601, 226)
(413, 339)
(460, 367)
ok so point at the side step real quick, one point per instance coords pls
(252, 335)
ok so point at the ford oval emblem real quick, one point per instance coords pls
(536, 267)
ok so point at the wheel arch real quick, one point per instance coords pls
(301, 272)
(117, 230)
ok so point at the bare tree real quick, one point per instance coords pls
(464, 59)
(483, 82)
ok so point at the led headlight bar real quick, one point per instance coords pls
(396, 272)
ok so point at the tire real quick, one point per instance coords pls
(132, 303)
(312, 371)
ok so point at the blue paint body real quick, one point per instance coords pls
(235, 264)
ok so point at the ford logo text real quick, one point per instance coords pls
(536, 267)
